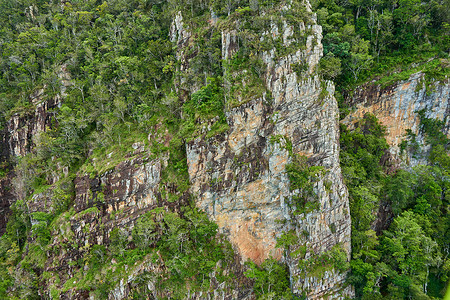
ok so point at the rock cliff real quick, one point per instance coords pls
(116, 200)
(276, 113)
(396, 107)
(19, 136)
(239, 176)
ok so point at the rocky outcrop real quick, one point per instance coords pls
(116, 200)
(396, 107)
(130, 187)
(113, 200)
(23, 127)
(18, 138)
(239, 177)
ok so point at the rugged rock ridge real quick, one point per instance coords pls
(114, 200)
(396, 106)
(117, 199)
(18, 138)
(239, 177)
(23, 127)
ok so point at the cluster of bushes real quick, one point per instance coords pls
(182, 250)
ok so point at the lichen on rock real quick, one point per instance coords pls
(239, 177)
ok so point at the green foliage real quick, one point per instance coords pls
(317, 264)
(204, 105)
(381, 41)
(271, 279)
(302, 178)
(187, 245)
(208, 101)
(361, 150)
(434, 71)
(410, 143)
(409, 249)
(330, 66)
(287, 239)
(144, 232)
(184, 245)
(432, 128)
(127, 65)
(407, 257)
(301, 68)
(176, 172)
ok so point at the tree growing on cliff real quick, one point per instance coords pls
(271, 279)
(360, 59)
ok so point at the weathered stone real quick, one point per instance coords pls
(239, 177)
(396, 106)
(120, 196)
(18, 138)
(24, 127)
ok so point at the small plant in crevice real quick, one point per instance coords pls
(333, 259)
(302, 179)
(410, 144)
(323, 92)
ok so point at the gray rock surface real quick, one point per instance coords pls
(239, 177)
(396, 107)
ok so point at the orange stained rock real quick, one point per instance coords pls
(251, 247)
(405, 86)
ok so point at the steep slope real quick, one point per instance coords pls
(239, 176)
(397, 107)
(243, 129)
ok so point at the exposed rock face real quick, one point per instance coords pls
(18, 137)
(396, 106)
(240, 179)
(117, 199)
(114, 200)
(23, 127)
(130, 187)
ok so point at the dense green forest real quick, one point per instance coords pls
(368, 38)
(385, 41)
(123, 69)
(408, 257)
